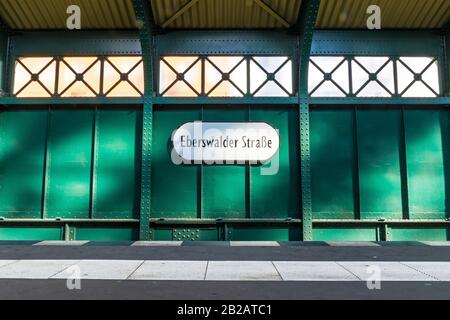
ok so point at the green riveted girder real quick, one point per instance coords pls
(447, 55)
(4, 48)
(305, 27)
(146, 27)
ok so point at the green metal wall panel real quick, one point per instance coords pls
(111, 233)
(346, 234)
(224, 190)
(69, 164)
(379, 163)
(22, 143)
(419, 234)
(260, 234)
(30, 233)
(333, 164)
(280, 176)
(174, 187)
(117, 148)
(425, 139)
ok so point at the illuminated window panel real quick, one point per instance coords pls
(328, 77)
(34, 77)
(418, 77)
(270, 76)
(180, 76)
(79, 77)
(373, 77)
(225, 76)
(87, 76)
(123, 76)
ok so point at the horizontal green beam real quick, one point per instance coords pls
(75, 101)
(444, 101)
(10, 101)
(62, 221)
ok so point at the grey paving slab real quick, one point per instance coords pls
(353, 244)
(388, 271)
(313, 271)
(103, 269)
(437, 243)
(157, 243)
(254, 244)
(170, 270)
(60, 243)
(438, 270)
(33, 269)
(242, 271)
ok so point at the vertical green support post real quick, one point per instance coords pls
(447, 58)
(144, 21)
(4, 48)
(305, 28)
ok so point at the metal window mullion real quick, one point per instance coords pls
(395, 64)
(350, 77)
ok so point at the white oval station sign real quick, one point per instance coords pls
(225, 142)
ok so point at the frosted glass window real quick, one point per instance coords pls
(418, 77)
(271, 76)
(87, 76)
(34, 77)
(225, 76)
(373, 76)
(123, 76)
(328, 77)
(180, 76)
(79, 77)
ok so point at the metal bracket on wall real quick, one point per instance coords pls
(305, 29)
(146, 25)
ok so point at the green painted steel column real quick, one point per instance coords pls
(447, 56)
(4, 48)
(144, 20)
(305, 26)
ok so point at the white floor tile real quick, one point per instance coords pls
(254, 244)
(104, 269)
(352, 244)
(439, 270)
(437, 243)
(313, 271)
(389, 271)
(34, 269)
(157, 243)
(242, 271)
(170, 270)
(60, 243)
